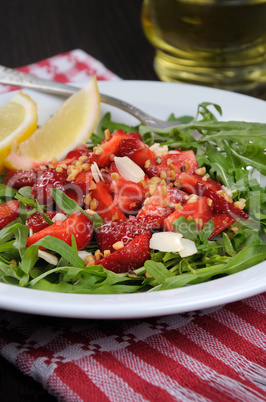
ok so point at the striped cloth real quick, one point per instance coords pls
(209, 355)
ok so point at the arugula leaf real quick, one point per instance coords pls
(68, 205)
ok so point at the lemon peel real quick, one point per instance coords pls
(72, 124)
(18, 120)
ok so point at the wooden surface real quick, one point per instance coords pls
(32, 30)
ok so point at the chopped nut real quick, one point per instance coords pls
(164, 190)
(239, 204)
(87, 199)
(234, 229)
(186, 166)
(86, 166)
(177, 183)
(172, 175)
(152, 189)
(98, 255)
(201, 171)
(147, 163)
(205, 177)
(98, 150)
(93, 204)
(169, 162)
(192, 198)
(199, 222)
(93, 185)
(106, 253)
(115, 176)
(223, 194)
(89, 260)
(83, 158)
(158, 160)
(189, 218)
(59, 169)
(163, 174)
(173, 167)
(209, 202)
(107, 134)
(118, 245)
(178, 206)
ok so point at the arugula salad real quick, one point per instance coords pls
(87, 224)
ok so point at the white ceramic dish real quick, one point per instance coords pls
(158, 99)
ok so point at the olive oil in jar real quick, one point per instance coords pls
(219, 43)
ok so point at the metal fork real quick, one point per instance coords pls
(16, 78)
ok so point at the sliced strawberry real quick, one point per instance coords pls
(46, 180)
(8, 212)
(20, 178)
(84, 181)
(111, 146)
(123, 187)
(77, 224)
(79, 151)
(161, 204)
(189, 183)
(199, 211)
(124, 231)
(130, 257)
(221, 221)
(36, 222)
(173, 165)
(105, 205)
(136, 150)
(129, 205)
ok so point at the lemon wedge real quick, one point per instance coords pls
(70, 126)
(18, 120)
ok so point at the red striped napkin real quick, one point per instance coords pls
(209, 355)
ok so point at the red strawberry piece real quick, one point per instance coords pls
(36, 222)
(78, 151)
(173, 165)
(129, 205)
(189, 183)
(77, 224)
(221, 221)
(8, 212)
(125, 231)
(220, 204)
(136, 150)
(130, 257)
(111, 146)
(20, 178)
(46, 180)
(123, 187)
(199, 211)
(161, 204)
(104, 205)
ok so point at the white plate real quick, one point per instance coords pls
(158, 99)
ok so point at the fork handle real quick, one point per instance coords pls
(13, 77)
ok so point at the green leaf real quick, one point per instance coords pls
(157, 270)
(69, 206)
(60, 247)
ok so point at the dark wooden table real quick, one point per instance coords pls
(32, 30)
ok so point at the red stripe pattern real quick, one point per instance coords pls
(210, 355)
